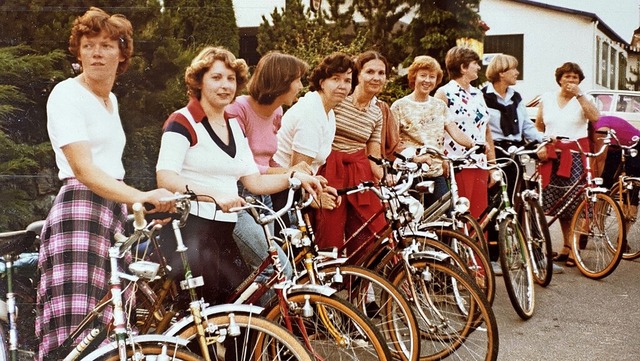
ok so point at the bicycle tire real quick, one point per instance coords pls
(474, 257)
(471, 228)
(392, 313)
(517, 269)
(354, 335)
(153, 352)
(630, 212)
(598, 248)
(270, 340)
(446, 330)
(538, 240)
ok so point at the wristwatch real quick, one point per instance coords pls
(579, 95)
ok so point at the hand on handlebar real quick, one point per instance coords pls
(314, 185)
(542, 154)
(329, 199)
(228, 201)
(158, 198)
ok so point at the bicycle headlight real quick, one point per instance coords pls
(633, 152)
(462, 205)
(496, 176)
(597, 181)
(524, 159)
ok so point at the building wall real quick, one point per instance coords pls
(550, 38)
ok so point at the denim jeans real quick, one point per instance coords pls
(250, 238)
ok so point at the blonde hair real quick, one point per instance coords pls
(499, 64)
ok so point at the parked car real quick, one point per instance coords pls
(620, 103)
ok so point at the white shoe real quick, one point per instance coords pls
(497, 270)
(557, 269)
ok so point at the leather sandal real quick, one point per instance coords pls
(563, 257)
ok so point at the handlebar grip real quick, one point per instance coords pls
(400, 156)
(375, 160)
(158, 215)
(138, 216)
(481, 148)
(344, 191)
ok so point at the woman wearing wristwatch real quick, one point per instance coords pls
(566, 112)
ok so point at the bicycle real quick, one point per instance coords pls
(327, 326)
(449, 218)
(599, 237)
(219, 331)
(528, 204)
(17, 291)
(372, 294)
(625, 191)
(126, 345)
(425, 277)
(515, 258)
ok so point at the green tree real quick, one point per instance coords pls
(438, 24)
(26, 79)
(198, 23)
(383, 26)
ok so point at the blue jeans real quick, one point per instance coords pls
(440, 188)
(250, 238)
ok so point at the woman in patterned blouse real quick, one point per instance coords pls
(469, 111)
(424, 120)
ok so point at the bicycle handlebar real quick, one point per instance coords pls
(294, 185)
(604, 146)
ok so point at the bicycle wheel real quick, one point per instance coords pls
(436, 290)
(470, 227)
(598, 236)
(516, 267)
(474, 257)
(628, 202)
(254, 338)
(331, 327)
(536, 234)
(380, 301)
(153, 352)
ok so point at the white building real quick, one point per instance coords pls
(543, 37)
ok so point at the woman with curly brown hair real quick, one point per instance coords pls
(206, 152)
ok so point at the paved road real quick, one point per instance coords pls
(576, 318)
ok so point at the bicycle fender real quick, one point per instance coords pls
(430, 255)
(224, 309)
(309, 288)
(99, 353)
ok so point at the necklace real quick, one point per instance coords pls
(222, 125)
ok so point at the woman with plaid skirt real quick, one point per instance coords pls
(88, 140)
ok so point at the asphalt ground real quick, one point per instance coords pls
(576, 318)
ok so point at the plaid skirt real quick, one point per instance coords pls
(74, 262)
(558, 187)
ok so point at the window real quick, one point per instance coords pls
(604, 64)
(507, 44)
(603, 101)
(622, 71)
